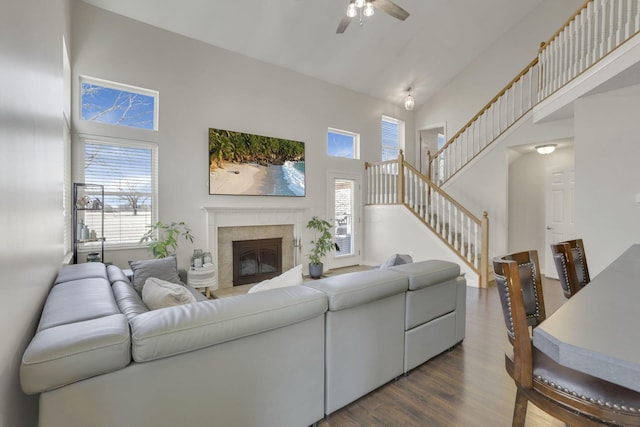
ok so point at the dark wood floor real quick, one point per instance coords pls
(467, 386)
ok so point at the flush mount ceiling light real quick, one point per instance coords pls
(546, 148)
(409, 103)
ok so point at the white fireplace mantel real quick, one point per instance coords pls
(217, 217)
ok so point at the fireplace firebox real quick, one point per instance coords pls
(256, 260)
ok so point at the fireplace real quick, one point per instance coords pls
(228, 224)
(256, 260)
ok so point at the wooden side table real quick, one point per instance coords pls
(203, 277)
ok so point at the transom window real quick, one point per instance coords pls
(114, 103)
(128, 171)
(341, 143)
(392, 138)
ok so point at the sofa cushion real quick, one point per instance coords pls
(67, 353)
(158, 293)
(116, 274)
(77, 301)
(163, 269)
(291, 277)
(360, 287)
(128, 300)
(81, 271)
(180, 329)
(426, 273)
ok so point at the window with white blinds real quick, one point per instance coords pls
(392, 138)
(128, 172)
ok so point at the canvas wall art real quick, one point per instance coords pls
(255, 165)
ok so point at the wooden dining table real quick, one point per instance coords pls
(597, 331)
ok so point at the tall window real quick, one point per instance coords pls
(128, 171)
(118, 104)
(341, 143)
(392, 138)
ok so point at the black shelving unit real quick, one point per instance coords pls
(88, 199)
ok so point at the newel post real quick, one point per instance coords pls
(484, 254)
(401, 178)
(429, 160)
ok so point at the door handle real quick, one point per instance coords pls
(549, 228)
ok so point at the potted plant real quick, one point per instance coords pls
(322, 243)
(163, 238)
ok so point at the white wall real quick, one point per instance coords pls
(469, 91)
(392, 229)
(607, 174)
(31, 223)
(203, 86)
(484, 186)
(528, 189)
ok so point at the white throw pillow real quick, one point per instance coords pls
(157, 293)
(288, 278)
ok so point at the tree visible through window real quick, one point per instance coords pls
(128, 173)
(118, 104)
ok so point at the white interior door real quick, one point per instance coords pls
(344, 210)
(560, 215)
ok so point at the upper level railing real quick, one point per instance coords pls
(397, 182)
(595, 30)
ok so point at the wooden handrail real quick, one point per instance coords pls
(442, 193)
(487, 106)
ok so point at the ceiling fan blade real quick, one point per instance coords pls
(344, 23)
(392, 9)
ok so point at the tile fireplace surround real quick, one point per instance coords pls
(223, 225)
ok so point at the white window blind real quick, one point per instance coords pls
(128, 172)
(392, 138)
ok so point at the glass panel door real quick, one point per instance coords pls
(345, 218)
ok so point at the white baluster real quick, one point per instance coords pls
(476, 262)
(628, 24)
(611, 26)
(637, 16)
(620, 25)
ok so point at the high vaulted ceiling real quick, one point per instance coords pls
(381, 58)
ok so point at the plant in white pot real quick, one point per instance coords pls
(322, 243)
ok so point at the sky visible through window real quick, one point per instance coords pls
(341, 145)
(117, 106)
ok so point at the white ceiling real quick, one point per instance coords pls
(381, 59)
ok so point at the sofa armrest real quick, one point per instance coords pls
(174, 330)
(67, 353)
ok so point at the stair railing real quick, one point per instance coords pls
(596, 29)
(398, 182)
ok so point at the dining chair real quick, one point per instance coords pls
(571, 396)
(571, 264)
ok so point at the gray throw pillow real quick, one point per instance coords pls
(163, 269)
(396, 259)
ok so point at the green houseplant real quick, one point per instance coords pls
(163, 238)
(322, 243)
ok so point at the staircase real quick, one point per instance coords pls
(593, 32)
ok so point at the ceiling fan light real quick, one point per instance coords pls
(368, 9)
(351, 10)
(409, 103)
(546, 148)
(359, 3)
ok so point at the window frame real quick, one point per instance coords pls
(128, 143)
(355, 137)
(126, 88)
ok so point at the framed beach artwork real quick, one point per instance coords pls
(255, 165)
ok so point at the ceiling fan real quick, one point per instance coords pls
(366, 8)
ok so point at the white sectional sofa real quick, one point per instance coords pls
(282, 357)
